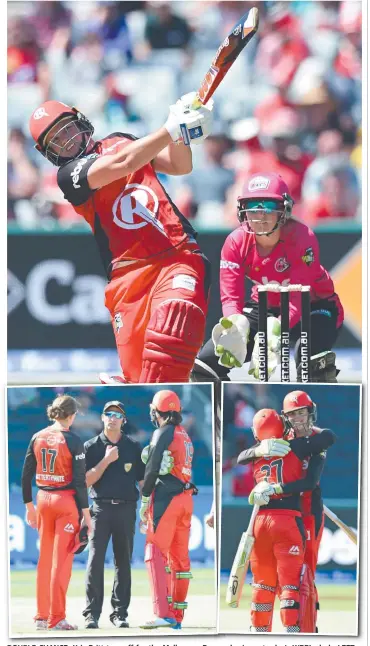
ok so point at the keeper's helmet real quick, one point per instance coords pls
(69, 141)
(266, 194)
(298, 400)
(267, 424)
(164, 401)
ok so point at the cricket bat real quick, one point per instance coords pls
(227, 54)
(241, 562)
(347, 530)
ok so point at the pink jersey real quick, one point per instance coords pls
(294, 260)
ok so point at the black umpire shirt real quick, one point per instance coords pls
(119, 480)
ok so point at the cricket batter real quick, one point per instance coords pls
(277, 559)
(270, 246)
(56, 457)
(158, 278)
(299, 414)
(166, 509)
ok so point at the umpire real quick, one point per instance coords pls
(113, 470)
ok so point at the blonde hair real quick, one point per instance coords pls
(62, 407)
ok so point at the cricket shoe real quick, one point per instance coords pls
(63, 624)
(177, 626)
(41, 624)
(111, 379)
(159, 622)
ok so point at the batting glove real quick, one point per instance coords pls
(261, 493)
(144, 509)
(184, 123)
(230, 338)
(273, 348)
(272, 448)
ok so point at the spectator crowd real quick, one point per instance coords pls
(291, 103)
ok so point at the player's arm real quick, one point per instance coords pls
(231, 277)
(308, 271)
(95, 471)
(79, 477)
(160, 442)
(78, 469)
(312, 478)
(28, 473)
(108, 168)
(175, 159)
(315, 444)
(266, 449)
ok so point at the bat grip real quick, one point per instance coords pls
(255, 511)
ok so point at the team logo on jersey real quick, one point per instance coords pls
(281, 265)
(136, 207)
(308, 256)
(294, 550)
(127, 466)
(259, 183)
(40, 113)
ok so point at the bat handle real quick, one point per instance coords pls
(196, 104)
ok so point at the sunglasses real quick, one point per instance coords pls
(113, 413)
(266, 205)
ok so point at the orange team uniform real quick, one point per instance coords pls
(158, 277)
(279, 549)
(169, 521)
(57, 460)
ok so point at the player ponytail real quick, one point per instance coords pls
(62, 407)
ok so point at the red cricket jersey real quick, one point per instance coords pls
(133, 217)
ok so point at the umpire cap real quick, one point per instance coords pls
(81, 541)
(117, 404)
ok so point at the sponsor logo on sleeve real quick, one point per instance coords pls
(308, 256)
(227, 264)
(76, 172)
(118, 322)
(81, 456)
(182, 281)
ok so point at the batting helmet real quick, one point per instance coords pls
(81, 541)
(75, 131)
(296, 400)
(166, 401)
(267, 424)
(265, 192)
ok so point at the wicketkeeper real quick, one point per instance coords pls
(277, 560)
(166, 511)
(158, 278)
(270, 246)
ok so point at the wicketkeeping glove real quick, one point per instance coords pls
(272, 448)
(230, 338)
(167, 462)
(273, 348)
